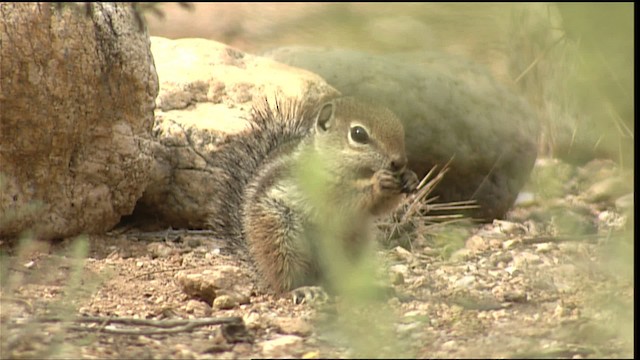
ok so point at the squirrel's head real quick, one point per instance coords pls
(363, 136)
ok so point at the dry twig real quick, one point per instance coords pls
(162, 326)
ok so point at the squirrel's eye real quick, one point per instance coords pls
(359, 135)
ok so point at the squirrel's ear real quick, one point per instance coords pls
(323, 122)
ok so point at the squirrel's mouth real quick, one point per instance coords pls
(367, 172)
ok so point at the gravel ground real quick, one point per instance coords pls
(554, 280)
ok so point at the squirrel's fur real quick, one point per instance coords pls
(356, 149)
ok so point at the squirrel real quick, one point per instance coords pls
(354, 149)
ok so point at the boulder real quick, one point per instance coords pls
(207, 90)
(77, 91)
(452, 109)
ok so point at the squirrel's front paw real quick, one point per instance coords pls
(404, 182)
(309, 294)
(388, 181)
(409, 181)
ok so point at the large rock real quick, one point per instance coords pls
(451, 109)
(207, 90)
(77, 95)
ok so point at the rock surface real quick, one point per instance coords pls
(507, 38)
(76, 110)
(451, 109)
(207, 91)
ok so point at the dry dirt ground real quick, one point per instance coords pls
(528, 287)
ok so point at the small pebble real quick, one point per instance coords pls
(495, 244)
(406, 328)
(397, 278)
(477, 244)
(449, 345)
(293, 326)
(515, 296)
(402, 253)
(525, 199)
(544, 248)
(508, 244)
(311, 355)
(280, 344)
(461, 255)
(465, 281)
(225, 302)
(159, 250)
(507, 227)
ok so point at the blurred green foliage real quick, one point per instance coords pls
(140, 9)
(598, 84)
(354, 279)
(62, 272)
(603, 85)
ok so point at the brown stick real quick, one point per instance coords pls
(164, 326)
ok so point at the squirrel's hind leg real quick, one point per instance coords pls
(277, 244)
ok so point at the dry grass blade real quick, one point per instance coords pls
(454, 206)
(537, 59)
(420, 203)
(412, 214)
(425, 187)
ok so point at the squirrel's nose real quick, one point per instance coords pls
(398, 163)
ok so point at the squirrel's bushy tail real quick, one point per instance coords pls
(236, 162)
